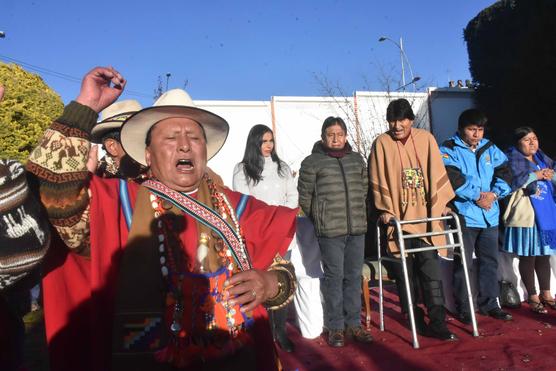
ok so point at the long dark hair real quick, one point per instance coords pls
(520, 132)
(253, 160)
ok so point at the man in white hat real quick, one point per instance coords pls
(184, 287)
(115, 163)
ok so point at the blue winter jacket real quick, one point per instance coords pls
(470, 173)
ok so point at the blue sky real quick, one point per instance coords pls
(239, 50)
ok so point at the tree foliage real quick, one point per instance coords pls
(512, 58)
(28, 108)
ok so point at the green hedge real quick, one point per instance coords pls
(512, 58)
(28, 108)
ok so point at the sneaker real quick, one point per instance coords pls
(359, 334)
(336, 338)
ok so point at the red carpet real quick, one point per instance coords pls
(527, 342)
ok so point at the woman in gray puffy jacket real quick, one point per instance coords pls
(332, 190)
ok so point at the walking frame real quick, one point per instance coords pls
(403, 260)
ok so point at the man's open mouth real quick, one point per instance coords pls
(184, 165)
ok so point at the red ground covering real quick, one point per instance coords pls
(527, 342)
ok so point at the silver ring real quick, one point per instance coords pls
(254, 293)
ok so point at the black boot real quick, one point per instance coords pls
(278, 318)
(437, 324)
(434, 298)
(420, 325)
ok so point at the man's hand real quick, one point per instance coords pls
(251, 288)
(446, 211)
(485, 200)
(92, 161)
(1, 92)
(385, 218)
(100, 88)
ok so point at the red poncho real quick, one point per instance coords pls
(79, 291)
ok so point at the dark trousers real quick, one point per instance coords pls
(528, 265)
(423, 270)
(342, 260)
(484, 241)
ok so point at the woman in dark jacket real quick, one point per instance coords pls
(534, 241)
(332, 190)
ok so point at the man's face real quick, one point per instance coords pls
(114, 149)
(399, 130)
(472, 135)
(177, 154)
(334, 137)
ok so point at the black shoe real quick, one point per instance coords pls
(359, 334)
(437, 324)
(441, 332)
(336, 338)
(464, 317)
(498, 313)
(284, 342)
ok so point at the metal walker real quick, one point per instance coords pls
(402, 259)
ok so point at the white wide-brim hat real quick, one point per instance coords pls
(174, 103)
(113, 118)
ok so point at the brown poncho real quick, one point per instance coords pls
(388, 159)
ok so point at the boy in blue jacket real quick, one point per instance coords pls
(479, 173)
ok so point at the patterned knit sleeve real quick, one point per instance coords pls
(59, 162)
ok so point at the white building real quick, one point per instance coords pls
(296, 121)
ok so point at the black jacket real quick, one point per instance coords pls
(332, 192)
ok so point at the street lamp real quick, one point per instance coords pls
(403, 57)
(415, 79)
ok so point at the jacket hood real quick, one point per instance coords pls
(318, 147)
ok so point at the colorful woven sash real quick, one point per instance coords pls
(207, 216)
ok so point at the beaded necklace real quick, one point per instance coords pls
(413, 181)
(173, 262)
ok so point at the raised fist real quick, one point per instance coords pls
(100, 88)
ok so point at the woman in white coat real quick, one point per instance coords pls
(263, 175)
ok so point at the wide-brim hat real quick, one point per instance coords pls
(113, 117)
(174, 103)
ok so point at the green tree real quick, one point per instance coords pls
(512, 58)
(28, 108)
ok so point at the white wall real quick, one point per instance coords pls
(296, 121)
(241, 116)
(446, 104)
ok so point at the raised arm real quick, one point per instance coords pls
(60, 160)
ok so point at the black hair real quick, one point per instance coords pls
(520, 132)
(253, 160)
(470, 117)
(148, 137)
(398, 110)
(112, 134)
(331, 121)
